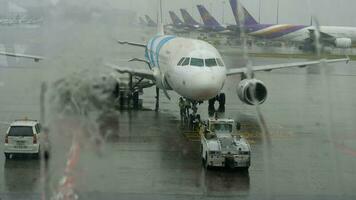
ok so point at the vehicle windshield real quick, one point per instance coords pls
(21, 131)
(226, 128)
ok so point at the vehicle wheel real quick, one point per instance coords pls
(7, 155)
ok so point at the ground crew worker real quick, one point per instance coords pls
(182, 108)
(196, 122)
(187, 107)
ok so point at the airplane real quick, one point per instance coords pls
(150, 22)
(210, 23)
(195, 70)
(177, 26)
(175, 19)
(189, 20)
(335, 36)
(141, 21)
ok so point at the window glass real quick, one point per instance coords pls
(197, 62)
(180, 62)
(220, 62)
(222, 128)
(210, 62)
(21, 131)
(38, 128)
(186, 62)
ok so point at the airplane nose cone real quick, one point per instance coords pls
(207, 85)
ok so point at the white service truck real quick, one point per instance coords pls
(222, 146)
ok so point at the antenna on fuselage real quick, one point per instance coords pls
(160, 25)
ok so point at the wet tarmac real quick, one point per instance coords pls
(310, 115)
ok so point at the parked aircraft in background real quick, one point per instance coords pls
(210, 23)
(175, 20)
(336, 36)
(189, 20)
(141, 21)
(150, 22)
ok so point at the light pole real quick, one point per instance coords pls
(223, 12)
(277, 11)
(259, 12)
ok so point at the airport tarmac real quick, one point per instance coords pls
(309, 113)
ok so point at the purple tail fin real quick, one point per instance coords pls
(175, 19)
(245, 17)
(208, 19)
(188, 19)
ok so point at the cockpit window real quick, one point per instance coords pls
(210, 62)
(180, 62)
(220, 62)
(186, 62)
(197, 62)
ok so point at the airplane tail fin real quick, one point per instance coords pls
(150, 22)
(141, 21)
(241, 14)
(188, 19)
(208, 19)
(175, 19)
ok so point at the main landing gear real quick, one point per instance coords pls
(221, 98)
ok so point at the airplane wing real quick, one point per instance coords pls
(324, 37)
(35, 58)
(147, 74)
(132, 44)
(244, 70)
(322, 34)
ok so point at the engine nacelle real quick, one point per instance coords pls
(252, 91)
(343, 43)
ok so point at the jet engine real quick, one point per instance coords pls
(343, 43)
(252, 91)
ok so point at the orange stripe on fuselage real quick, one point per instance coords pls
(270, 31)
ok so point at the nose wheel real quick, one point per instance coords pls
(221, 98)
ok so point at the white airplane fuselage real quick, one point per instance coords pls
(299, 33)
(191, 81)
(335, 31)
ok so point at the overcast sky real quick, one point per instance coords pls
(329, 12)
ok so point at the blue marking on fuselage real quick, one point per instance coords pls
(150, 49)
(161, 44)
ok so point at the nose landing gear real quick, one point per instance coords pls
(221, 98)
